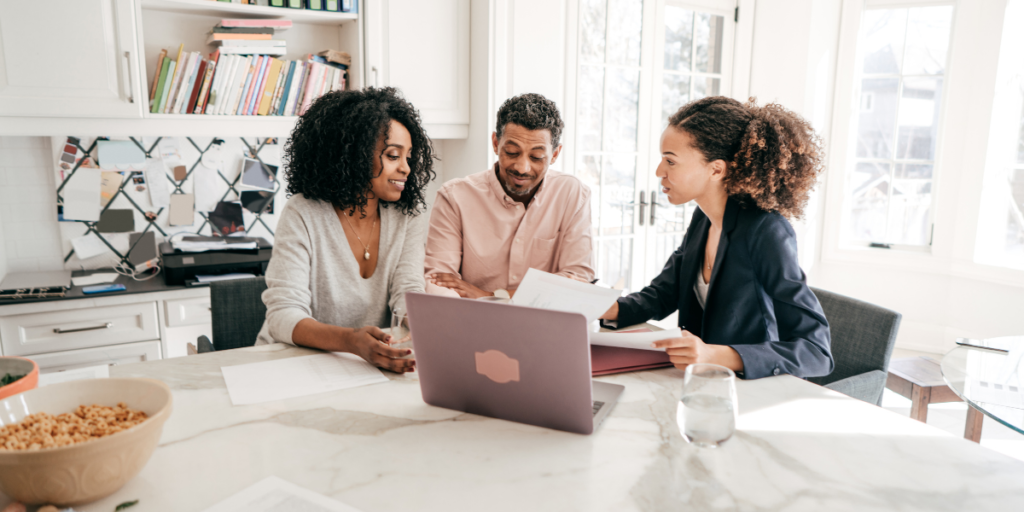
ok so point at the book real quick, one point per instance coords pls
(228, 84)
(243, 30)
(156, 76)
(204, 91)
(186, 91)
(253, 50)
(174, 78)
(218, 77)
(277, 24)
(286, 83)
(336, 57)
(315, 5)
(256, 77)
(186, 78)
(196, 86)
(184, 66)
(250, 79)
(331, 5)
(241, 72)
(269, 87)
(277, 3)
(307, 95)
(257, 91)
(296, 89)
(227, 37)
(295, 4)
(275, 100)
(301, 96)
(166, 87)
(162, 79)
(257, 42)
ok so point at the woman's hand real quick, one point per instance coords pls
(371, 344)
(452, 282)
(612, 313)
(690, 349)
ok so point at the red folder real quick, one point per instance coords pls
(611, 360)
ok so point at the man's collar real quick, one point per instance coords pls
(499, 191)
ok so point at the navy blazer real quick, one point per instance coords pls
(758, 302)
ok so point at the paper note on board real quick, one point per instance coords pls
(182, 212)
(540, 289)
(159, 191)
(87, 247)
(120, 154)
(81, 194)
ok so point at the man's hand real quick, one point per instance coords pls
(371, 344)
(452, 282)
(690, 349)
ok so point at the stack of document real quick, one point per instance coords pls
(190, 244)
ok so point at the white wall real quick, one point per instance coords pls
(28, 215)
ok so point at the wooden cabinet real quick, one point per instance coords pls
(69, 59)
(422, 48)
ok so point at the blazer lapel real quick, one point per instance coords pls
(728, 225)
(691, 261)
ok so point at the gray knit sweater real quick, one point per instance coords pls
(314, 274)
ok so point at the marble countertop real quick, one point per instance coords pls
(381, 448)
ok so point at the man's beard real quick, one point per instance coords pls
(517, 190)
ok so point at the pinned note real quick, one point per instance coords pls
(82, 195)
(120, 154)
(182, 210)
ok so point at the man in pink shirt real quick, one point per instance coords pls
(488, 228)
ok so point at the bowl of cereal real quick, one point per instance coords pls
(76, 442)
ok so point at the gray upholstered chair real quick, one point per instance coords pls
(862, 339)
(237, 312)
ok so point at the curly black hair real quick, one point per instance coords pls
(533, 112)
(774, 157)
(329, 156)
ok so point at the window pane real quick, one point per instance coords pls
(927, 40)
(615, 259)
(703, 86)
(678, 38)
(592, 31)
(621, 106)
(882, 40)
(708, 46)
(913, 171)
(675, 93)
(869, 184)
(918, 118)
(877, 117)
(590, 107)
(617, 195)
(625, 24)
(668, 217)
(588, 170)
(908, 212)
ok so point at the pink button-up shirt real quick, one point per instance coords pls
(480, 234)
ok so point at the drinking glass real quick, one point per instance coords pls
(400, 325)
(707, 411)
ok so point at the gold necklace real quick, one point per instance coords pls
(366, 248)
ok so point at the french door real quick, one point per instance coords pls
(637, 62)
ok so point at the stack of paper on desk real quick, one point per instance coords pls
(297, 376)
(273, 494)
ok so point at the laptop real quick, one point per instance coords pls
(508, 362)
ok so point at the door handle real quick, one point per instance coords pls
(107, 325)
(654, 202)
(643, 205)
(374, 69)
(128, 71)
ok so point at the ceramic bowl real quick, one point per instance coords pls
(84, 472)
(18, 366)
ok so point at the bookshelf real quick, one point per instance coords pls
(232, 10)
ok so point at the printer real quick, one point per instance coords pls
(213, 255)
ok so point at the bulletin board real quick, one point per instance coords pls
(231, 186)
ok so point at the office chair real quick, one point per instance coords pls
(237, 312)
(863, 336)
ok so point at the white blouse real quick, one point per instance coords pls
(700, 287)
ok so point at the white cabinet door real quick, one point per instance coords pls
(68, 58)
(422, 48)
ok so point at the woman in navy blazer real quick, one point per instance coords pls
(748, 168)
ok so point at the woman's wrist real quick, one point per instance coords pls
(724, 355)
(612, 314)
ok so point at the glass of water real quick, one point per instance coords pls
(707, 412)
(399, 325)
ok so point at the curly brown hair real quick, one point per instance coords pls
(773, 155)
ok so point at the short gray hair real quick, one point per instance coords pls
(533, 112)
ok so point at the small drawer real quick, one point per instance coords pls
(113, 355)
(55, 331)
(182, 312)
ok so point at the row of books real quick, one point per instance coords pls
(313, 5)
(249, 37)
(229, 84)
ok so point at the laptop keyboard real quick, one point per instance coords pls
(597, 406)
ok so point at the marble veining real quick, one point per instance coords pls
(380, 448)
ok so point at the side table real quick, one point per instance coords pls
(920, 380)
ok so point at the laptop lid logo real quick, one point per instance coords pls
(497, 366)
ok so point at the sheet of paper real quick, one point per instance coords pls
(638, 340)
(89, 372)
(119, 154)
(297, 376)
(159, 189)
(82, 195)
(88, 246)
(103, 277)
(223, 277)
(110, 181)
(204, 181)
(547, 291)
(273, 494)
(182, 210)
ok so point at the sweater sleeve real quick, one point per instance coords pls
(803, 347)
(408, 276)
(288, 297)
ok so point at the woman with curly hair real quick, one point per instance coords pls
(349, 242)
(742, 298)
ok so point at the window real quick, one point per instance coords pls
(901, 65)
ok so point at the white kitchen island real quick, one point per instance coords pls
(799, 447)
